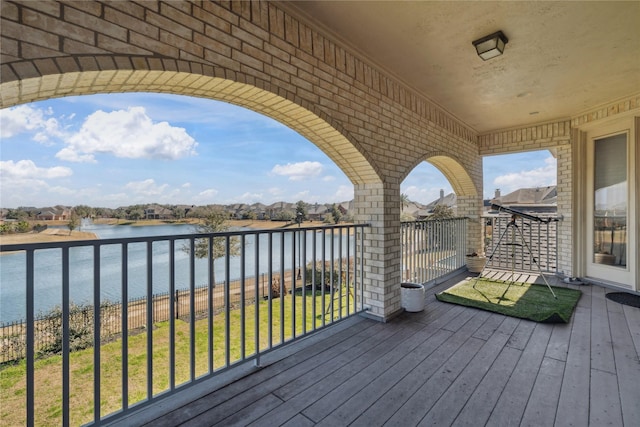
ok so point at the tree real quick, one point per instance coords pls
(136, 213)
(301, 212)
(284, 216)
(404, 199)
(328, 219)
(178, 212)
(83, 211)
(119, 214)
(335, 212)
(73, 223)
(251, 215)
(214, 222)
(442, 212)
(406, 217)
(17, 214)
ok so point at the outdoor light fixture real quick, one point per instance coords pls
(491, 46)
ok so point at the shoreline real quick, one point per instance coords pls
(64, 235)
(48, 235)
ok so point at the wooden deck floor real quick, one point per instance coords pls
(448, 365)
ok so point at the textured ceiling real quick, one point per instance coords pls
(562, 57)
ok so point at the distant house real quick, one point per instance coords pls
(536, 199)
(450, 200)
(317, 212)
(56, 213)
(274, 209)
(158, 212)
(425, 211)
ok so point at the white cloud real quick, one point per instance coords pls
(27, 169)
(329, 178)
(128, 134)
(538, 177)
(249, 197)
(24, 118)
(146, 188)
(275, 191)
(301, 195)
(208, 193)
(70, 155)
(204, 197)
(298, 171)
(344, 193)
(23, 182)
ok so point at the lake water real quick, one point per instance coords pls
(48, 267)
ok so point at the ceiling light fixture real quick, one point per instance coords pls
(491, 46)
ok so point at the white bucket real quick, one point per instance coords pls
(412, 297)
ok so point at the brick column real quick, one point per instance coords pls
(379, 205)
(565, 225)
(471, 207)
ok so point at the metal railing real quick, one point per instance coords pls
(280, 285)
(521, 245)
(432, 248)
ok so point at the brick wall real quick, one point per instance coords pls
(256, 55)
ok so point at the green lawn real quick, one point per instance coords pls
(48, 371)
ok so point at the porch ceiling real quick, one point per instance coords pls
(562, 58)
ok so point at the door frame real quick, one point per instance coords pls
(610, 275)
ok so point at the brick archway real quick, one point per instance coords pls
(255, 55)
(455, 173)
(466, 181)
(459, 176)
(317, 127)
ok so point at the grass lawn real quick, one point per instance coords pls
(48, 370)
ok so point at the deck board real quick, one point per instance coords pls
(573, 406)
(627, 368)
(447, 365)
(543, 401)
(515, 394)
(482, 402)
(601, 347)
(446, 409)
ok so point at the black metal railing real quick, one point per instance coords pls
(185, 318)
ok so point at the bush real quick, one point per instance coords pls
(275, 288)
(314, 270)
(22, 227)
(80, 329)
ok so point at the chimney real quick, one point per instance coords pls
(497, 195)
(441, 194)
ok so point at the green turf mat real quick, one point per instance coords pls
(522, 300)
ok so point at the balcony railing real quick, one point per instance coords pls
(132, 320)
(522, 245)
(432, 248)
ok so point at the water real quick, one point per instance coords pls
(48, 267)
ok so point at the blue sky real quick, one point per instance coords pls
(115, 150)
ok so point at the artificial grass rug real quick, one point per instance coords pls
(522, 300)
